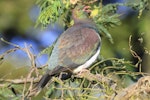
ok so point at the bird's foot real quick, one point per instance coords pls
(83, 72)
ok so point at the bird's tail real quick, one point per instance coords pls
(40, 85)
(44, 80)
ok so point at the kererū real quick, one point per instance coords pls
(76, 48)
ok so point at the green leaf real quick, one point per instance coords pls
(106, 32)
(47, 50)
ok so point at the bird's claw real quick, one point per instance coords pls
(82, 72)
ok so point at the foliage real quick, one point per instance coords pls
(51, 10)
(103, 16)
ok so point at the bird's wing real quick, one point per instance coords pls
(77, 47)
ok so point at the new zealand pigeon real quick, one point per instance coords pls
(76, 48)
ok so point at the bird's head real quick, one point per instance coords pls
(80, 13)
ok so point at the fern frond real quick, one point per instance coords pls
(51, 10)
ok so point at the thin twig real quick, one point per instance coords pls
(134, 54)
(20, 81)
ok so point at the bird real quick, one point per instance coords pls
(76, 48)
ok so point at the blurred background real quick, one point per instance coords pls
(17, 21)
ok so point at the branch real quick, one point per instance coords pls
(98, 78)
(20, 81)
(140, 89)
